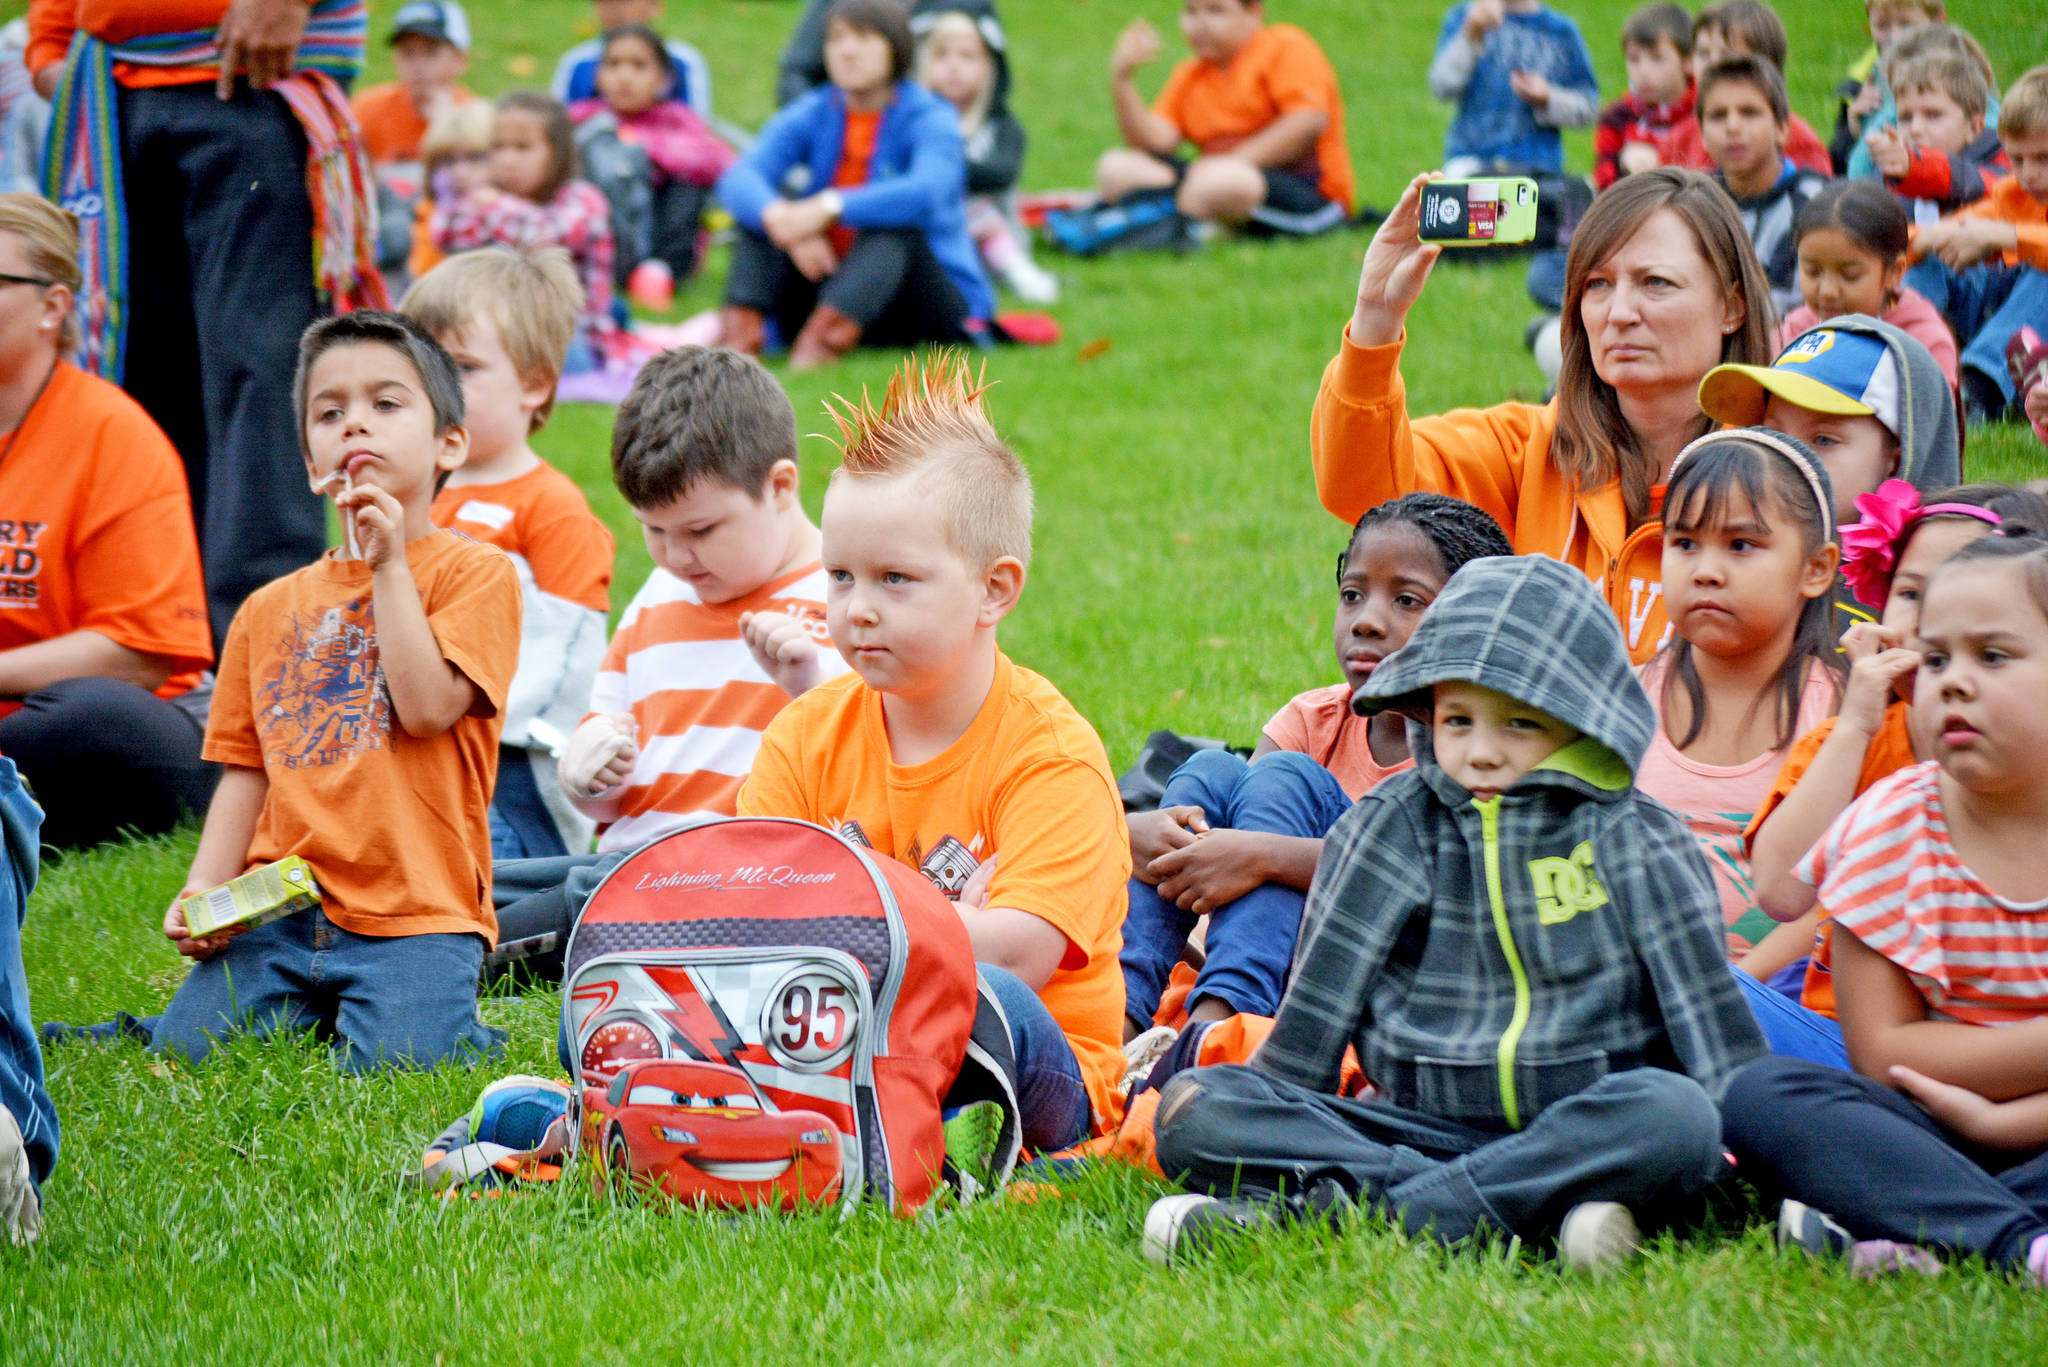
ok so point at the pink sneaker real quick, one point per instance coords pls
(1873, 1258)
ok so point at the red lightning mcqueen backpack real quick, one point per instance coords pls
(837, 981)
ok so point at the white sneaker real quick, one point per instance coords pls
(1191, 1224)
(1031, 282)
(1143, 1053)
(1598, 1236)
(21, 1211)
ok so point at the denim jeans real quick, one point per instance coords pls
(1790, 1029)
(1646, 1138)
(22, 1093)
(1054, 1099)
(405, 1000)
(1250, 943)
(1985, 305)
(521, 825)
(1880, 1165)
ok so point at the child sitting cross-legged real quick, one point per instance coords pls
(356, 720)
(507, 319)
(1935, 887)
(1238, 842)
(1518, 943)
(939, 752)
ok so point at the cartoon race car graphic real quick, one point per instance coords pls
(696, 1133)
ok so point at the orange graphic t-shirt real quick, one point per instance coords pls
(395, 826)
(1028, 781)
(96, 530)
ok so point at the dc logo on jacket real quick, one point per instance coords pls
(1564, 887)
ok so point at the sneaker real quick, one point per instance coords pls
(1190, 1225)
(1142, 1055)
(1031, 282)
(1801, 1226)
(21, 1210)
(1598, 1236)
(973, 1136)
(1870, 1259)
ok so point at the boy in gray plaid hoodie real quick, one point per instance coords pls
(1524, 950)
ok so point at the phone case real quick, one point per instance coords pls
(1487, 212)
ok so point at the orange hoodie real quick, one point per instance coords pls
(1367, 451)
(2006, 202)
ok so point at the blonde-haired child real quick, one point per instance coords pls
(456, 155)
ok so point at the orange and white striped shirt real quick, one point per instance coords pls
(698, 698)
(1888, 874)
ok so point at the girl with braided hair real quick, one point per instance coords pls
(1237, 841)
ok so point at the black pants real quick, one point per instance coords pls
(538, 902)
(105, 756)
(678, 215)
(1860, 1152)
(220, 285)
(889, 282)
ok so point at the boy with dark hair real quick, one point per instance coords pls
(508, 318)
(939, 752)
(1986, 268)
(1260, 104)
(356, 720)
(1939, 156)
(575, 75)
(1740, 28)
(1656, 45)
(1518, 72)
(729, 625)
(1743, 118)
(1520, 945)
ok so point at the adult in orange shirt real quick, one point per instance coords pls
(430, 51)
(1261, 105)
(1661, 285)
(102, 614)
(220, 278)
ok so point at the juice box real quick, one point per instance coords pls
(257, 898)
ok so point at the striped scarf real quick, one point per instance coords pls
(82, 166)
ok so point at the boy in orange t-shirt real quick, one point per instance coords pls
(1261, 105)
(356, 719)
(507, 319)
(939, 752)
(430, 49)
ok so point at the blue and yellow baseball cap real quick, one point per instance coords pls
(1826, 370)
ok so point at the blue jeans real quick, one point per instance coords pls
(22, 1094)
(1985, 305)
(1250, 943)
(1790, 1030)
(1645, 1137)
(404, 1000)
(521, 825)
(1054, 1099)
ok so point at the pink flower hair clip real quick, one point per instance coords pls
(1870, 548)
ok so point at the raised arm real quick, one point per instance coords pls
(1135, 122)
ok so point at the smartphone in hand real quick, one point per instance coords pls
(1486, 211)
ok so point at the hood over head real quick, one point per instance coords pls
(982, 13)
(1530, 627)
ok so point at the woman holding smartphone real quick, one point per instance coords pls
(1661, 286)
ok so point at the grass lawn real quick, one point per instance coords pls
(247, 1210)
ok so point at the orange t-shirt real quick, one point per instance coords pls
(855, 152)
(542, 518)
(1028, 780)
(396, 827)
(96, 530)
(1891, 750)
(1321, 725)
(52, 22)
(1280, 71)
(392, 126)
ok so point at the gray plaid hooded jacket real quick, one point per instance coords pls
(1490, 958)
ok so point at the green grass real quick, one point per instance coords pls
(248, 1210)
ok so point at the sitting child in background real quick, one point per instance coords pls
(1940, 156)
(1852, 240)
(939, 752)
(1740, 28)
(1910, 45)
(963, 58)
(356, 720)
(507, 319)
(1749, 576)
(1261, 106)
(1238, 842)
(1743, 118)
(1656, 46)
(430, 52)
(1986, 268)
(652, 156)
(575, 75)
(457, 161)
(729, 624)
(1934, 883)
(1518, 71)
(533, 199)
(1519, 944)
(1863, 94)
(1887, 558)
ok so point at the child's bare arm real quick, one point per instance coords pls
(1285, 141)
(223, 851)
(1214, 871)
(1885, 1025)
(428, 693)
(1138, 125)
(2021, 1123)
(1782, 947)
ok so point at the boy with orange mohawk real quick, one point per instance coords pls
(940, 752)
